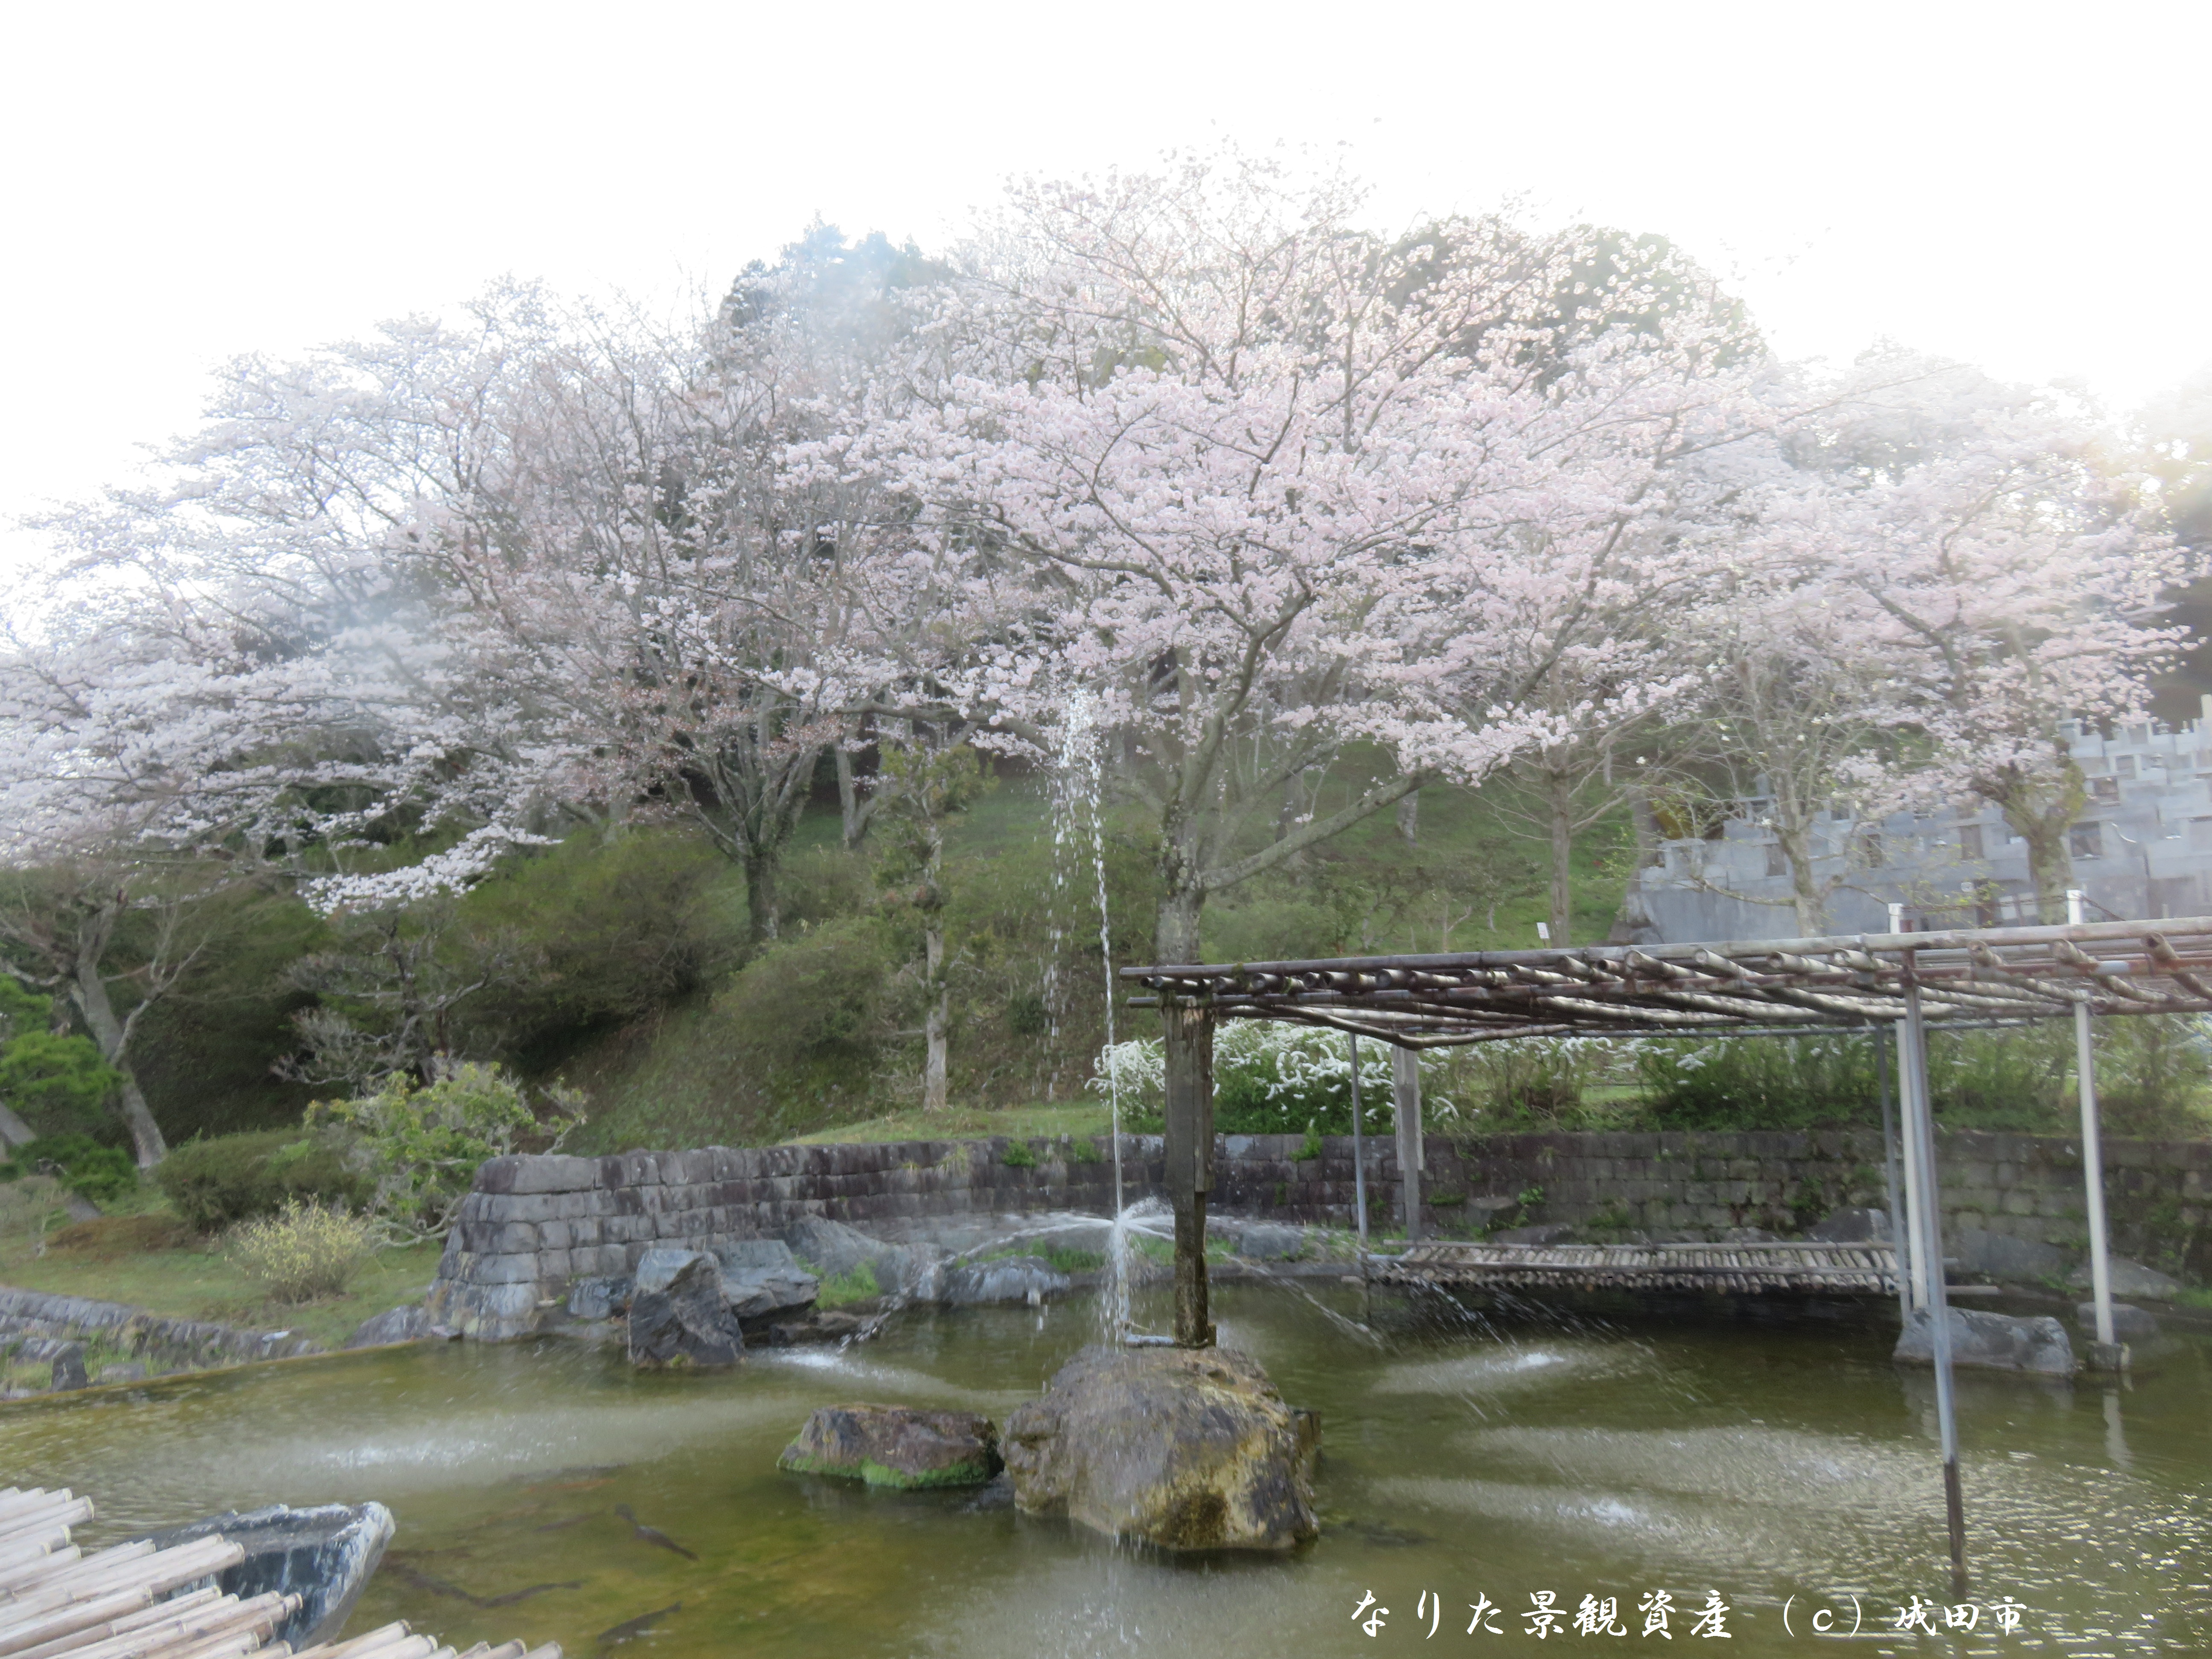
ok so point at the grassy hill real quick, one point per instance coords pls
(822, 1029)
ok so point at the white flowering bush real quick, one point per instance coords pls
(1268, 1078)
(1271, 1079)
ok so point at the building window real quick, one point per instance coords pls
(1969, 841)
(2086, 841)
(2200, 834)
(2123, 766)
(2104, 789)
(1870, 853)
(1775, 864)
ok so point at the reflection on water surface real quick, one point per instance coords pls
(1763, 1460)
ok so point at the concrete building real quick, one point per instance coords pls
(2143, 849)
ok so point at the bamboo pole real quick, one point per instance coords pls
(146, 1617)
(382, 1635)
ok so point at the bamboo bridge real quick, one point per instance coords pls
(1741, 1269)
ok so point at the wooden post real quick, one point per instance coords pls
(1406, 1098)
(1358, 1157)
(1189, 1024)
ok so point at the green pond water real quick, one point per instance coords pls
(1761, 1459)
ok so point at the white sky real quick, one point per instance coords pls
(2017, 184)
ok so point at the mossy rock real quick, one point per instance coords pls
(896, 1446)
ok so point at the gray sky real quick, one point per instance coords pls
(2011, 184)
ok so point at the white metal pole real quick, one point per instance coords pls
(2093, 1150)
(1900, 1240)
(1406, 1098)
(1359, 1155)
(1915, 1197)
(1922, 1128)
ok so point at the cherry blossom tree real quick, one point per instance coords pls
(1976, 540)
(1267, 483)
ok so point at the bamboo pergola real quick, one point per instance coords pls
(1903, 981)
(1853, 980)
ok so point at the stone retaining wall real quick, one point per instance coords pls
(533, 1225)
(171, 1344)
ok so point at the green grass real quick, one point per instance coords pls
(842, 1290)
(145, 1257)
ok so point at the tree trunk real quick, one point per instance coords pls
(848, 801)
(2050, 866)
(2041, 812)
(1804, 886)
(13, 1131)
(1188, 1026)
(89, 991)
(1633, 924)
(934, 1096)
(1560, 801)
(760, 900)
(1409, 818)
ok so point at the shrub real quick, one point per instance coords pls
(1018, 1156)
(216, 1183)
(421, 1146)
(1268, 1080)
(102, 1174)
(303, 1251)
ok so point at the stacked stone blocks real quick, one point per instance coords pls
(533, 1225)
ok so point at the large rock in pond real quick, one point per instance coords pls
(837, 1251)
(1186, 1449)
(2131, 1279)
(324, 1554)
(763, 1282)
(1009, 1278)
(682, 1318)
(2130, 1323)
(896, 1446)
(1990, 1341)
(2000, 1256)
(1856, 1226)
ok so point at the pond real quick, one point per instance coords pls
(1766, 1460)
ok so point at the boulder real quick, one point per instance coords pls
(408, 1324)
(1852, 1226)
(1990, 1341)
(1186, 1449)
(128, 1371)
(69, 1367)
(603, 1296)
(1010, 1279)
(325, 1555)
(1749, 1236)
(2131, 1279)
(687, 1320)
(761, 1281)
(896, 1446)
(1271, 1241)
(2002, 1257)
(2129, 1324)
(1551, 1232)
(834, 1250)
(658, 1269)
